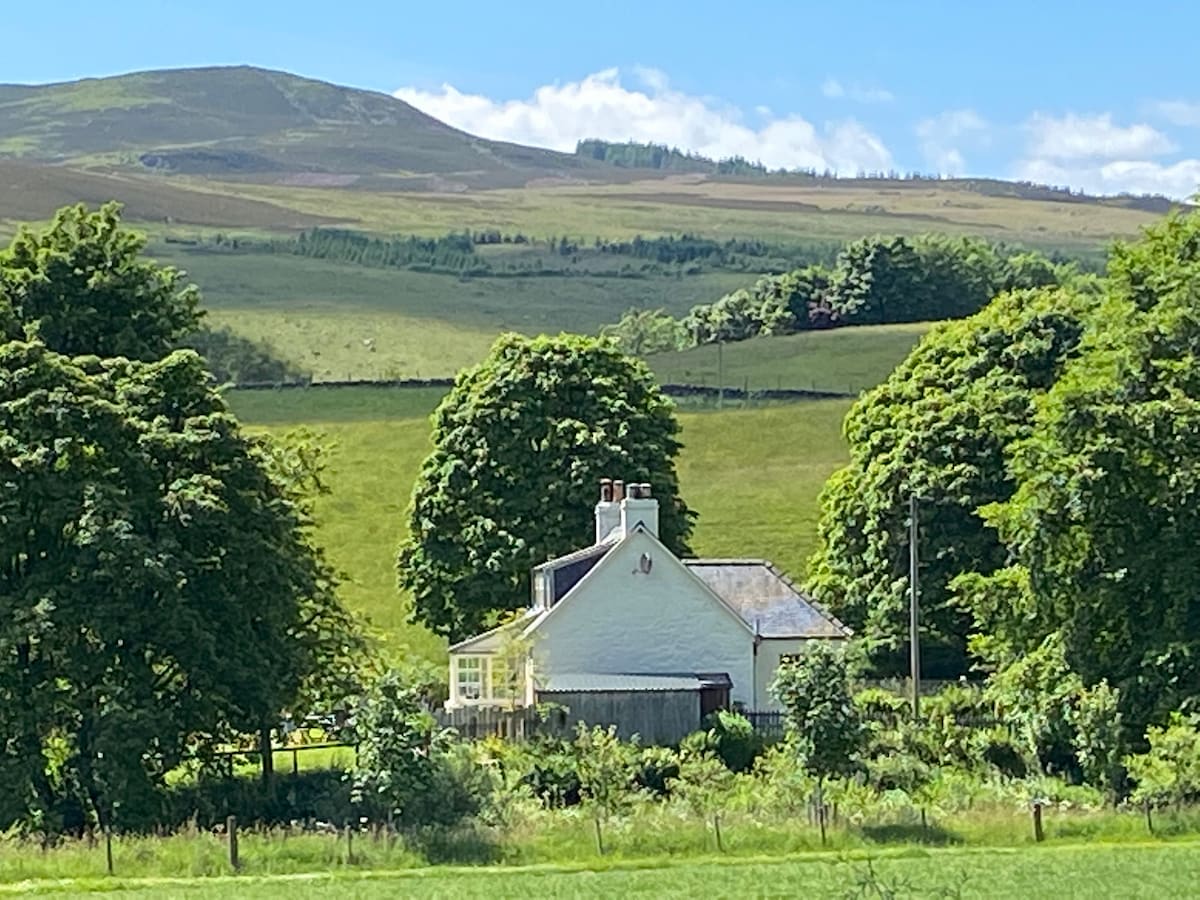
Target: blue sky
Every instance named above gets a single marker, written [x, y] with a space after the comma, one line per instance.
[1101, 95]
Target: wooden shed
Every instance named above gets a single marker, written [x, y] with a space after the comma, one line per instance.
[660, 709]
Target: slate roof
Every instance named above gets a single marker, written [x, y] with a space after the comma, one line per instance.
[570, 568]
[590, 682]
[766, 598]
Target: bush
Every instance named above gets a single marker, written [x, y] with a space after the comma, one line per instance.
[656, 766]
[1169, 772]
[734, 740]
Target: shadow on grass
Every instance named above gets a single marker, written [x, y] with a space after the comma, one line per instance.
[464, 846]
[910, 833]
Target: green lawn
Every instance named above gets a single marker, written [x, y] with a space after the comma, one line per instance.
[753, 475]
[1151, 870]
[845, 360]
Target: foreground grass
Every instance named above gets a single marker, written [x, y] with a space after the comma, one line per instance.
[1147, 870]
[752, 474]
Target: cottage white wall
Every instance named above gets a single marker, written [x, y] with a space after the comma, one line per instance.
[766, 662]
[620, 619]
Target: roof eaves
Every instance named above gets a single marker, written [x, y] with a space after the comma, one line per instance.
[576, 555]
[466, 644]
[811, 601]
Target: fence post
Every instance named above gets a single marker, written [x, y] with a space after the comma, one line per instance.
[231, 829]
[108, 850]
[1038, 834]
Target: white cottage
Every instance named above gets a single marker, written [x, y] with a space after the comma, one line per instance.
[625, 616]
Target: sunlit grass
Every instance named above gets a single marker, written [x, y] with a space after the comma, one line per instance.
[752, 474]
[843, 360]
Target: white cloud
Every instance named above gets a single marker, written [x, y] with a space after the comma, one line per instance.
[1097, 155]
[1180, 180]
[601, 106]
[835, 90]
[1177, 112]
[1073, 137]
[944, 136]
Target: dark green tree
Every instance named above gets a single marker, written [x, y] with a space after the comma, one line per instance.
[938, 428]
[81, 286]
[519, 444]
[1104, 526]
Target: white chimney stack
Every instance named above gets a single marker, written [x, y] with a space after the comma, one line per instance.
[639, 507]
[608, 512]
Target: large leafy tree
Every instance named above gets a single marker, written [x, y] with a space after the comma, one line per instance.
[81, 286]
[937, 428]
[1105, 525]
[519, 444]
[159, 588]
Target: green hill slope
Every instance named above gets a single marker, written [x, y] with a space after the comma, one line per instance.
[753, 475]
[843, 360]
[249, 122]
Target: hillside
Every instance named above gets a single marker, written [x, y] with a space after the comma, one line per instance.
[753, 476]
[257, 154]
[248, 122]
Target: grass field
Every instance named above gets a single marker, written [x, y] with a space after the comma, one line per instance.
[752, 474]
[318, 314]
[1158, 870]
[843, 360]
[770, 210]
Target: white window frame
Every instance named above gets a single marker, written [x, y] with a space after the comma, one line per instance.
[467, 665]
[486, 687]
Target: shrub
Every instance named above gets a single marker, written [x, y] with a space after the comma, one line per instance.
[734, 740]
[1169, 772]
[656, 766]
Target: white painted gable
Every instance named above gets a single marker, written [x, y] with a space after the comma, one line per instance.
[641, 611]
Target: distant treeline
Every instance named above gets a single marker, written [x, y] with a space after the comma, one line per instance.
[457, 253]
[632, 155]
[875, 280]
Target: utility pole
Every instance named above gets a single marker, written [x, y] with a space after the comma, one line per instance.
[720, 373]
[914, 610]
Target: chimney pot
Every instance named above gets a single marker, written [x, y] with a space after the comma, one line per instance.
[606, 490]
[618, 488]
[646, 494]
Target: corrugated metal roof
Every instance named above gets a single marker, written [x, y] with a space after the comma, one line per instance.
[766, 598]
[590, 682]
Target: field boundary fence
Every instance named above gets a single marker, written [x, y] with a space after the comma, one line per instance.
[682, 390]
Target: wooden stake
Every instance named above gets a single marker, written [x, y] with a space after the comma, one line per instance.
[599, 837]
[717, 830]
[108, 850]
[1038, 834]
[231, 830]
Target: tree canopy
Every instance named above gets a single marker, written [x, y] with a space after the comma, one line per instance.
[81, 287]
[1104, 525]
[937, 428]
[519, 444]
[1054, 442]
[159, 588]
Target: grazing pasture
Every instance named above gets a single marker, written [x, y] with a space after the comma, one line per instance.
[752, 474]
